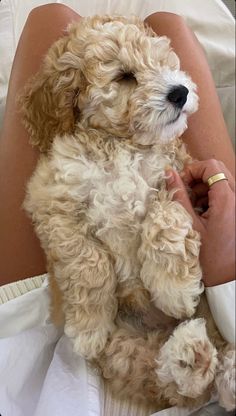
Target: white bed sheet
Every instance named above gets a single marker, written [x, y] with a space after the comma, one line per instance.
[210, 20]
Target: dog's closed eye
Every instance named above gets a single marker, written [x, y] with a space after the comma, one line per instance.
[127, 76]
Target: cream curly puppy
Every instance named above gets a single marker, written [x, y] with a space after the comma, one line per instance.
[106, 110]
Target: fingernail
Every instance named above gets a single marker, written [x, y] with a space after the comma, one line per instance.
[170, 178]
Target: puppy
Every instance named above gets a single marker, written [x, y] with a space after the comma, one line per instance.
[107, 109]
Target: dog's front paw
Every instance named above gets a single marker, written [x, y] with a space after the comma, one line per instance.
[169, 254]
[175, 296]
[179, 302]
[187, 361]
[225, 380]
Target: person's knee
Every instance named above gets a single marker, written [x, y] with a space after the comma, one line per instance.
[52, 10]
[49, 8]
[168, 18]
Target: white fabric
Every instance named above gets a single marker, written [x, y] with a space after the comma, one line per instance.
[211, 21]
[221, 300]
[25, 312]
[40, 374]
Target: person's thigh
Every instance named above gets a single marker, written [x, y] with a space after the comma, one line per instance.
[20, 252]
[207, 135]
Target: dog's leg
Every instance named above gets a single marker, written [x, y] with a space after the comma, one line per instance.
[80, 264]
[128, 364]
[225, 378]
[163, 368]
[170, 256]
[84, 273]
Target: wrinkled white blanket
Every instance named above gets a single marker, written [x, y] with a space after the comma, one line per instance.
[40, 374]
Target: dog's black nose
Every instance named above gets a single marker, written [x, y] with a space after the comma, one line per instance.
[178, 96]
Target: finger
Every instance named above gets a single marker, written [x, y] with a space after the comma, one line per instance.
[175, 183]
[204, 170]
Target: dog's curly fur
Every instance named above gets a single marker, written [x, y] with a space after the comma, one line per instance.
[122, 256]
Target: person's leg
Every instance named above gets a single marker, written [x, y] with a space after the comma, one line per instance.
[207, 135]
[20, 252]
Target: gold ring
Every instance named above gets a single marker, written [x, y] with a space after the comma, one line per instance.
[216, 178]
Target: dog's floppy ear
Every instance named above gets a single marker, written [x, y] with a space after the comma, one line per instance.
[49, 100]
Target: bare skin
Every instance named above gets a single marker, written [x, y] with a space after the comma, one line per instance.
[207, 137]
[216, 223]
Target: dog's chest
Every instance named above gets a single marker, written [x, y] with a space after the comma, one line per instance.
[116, 191]
[112, 193]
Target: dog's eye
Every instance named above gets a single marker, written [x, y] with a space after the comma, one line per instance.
[127, 76]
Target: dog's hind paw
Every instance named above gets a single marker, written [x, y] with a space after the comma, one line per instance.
[188, 360]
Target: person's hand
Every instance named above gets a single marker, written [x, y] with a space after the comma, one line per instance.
[215, 222]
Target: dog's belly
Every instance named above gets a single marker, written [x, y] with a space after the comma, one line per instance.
[115, 190]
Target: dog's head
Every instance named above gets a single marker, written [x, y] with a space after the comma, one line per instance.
[113, 74]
